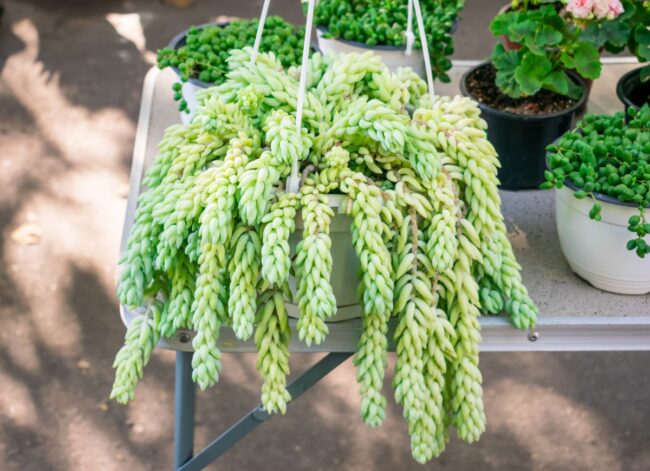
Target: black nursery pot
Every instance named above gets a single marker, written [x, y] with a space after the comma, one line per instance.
[631, 91]
[521, 140]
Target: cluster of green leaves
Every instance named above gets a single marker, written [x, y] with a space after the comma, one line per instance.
[549, 46]
[204, 53]
[629, 29]
[383, 22]
[606, 156]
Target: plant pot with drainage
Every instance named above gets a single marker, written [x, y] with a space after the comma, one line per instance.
[633, 88]
[199, 55]
[344, 26]
[601, 174]
[521, 128]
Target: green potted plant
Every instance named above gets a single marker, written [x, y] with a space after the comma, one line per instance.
[602, 175]
[531, 92]
[629, 30]
[212, 244]
[199, 55]
[380, 26]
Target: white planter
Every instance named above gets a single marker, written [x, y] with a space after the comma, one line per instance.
[392, 56]
[192, 86]
[596, 250]
[345, 265]
[189, 95]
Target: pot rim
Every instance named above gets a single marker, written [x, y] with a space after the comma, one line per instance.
[603, 197]
[524, 118]
[175, 44]
[381, 47]
[628, 76]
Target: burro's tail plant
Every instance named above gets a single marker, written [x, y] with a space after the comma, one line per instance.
[210, 247]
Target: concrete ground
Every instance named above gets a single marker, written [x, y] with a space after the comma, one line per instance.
[70, 80]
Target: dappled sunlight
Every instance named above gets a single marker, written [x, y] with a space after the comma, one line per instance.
[129, 26]
[567, 431]
[22, 413]
[150, 416]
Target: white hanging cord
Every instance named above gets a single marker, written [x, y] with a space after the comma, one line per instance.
[410, 37]
[425, 47]
[260, 28]
[293, 182]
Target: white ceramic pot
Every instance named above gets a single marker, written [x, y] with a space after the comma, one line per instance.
[345, 264]
[596, 250]
[189, 94]
[192, 86]
[392, 56]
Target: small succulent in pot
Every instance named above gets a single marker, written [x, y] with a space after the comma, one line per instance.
[606, 156]
[202, 52]
[384, 23]
[551, 39]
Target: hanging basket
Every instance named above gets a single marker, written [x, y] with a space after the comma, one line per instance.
[345, 264]
[393, 56]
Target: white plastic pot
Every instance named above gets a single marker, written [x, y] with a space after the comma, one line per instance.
[596, 250]
[392, 56]
[189, 95]
[345, 264]
[192, 86]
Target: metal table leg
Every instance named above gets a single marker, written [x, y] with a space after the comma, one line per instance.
[185, 398]
[256, 416]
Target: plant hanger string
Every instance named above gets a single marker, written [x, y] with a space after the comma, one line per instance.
[260, 28]
[410, 37]
[425, 47]
[293, 182]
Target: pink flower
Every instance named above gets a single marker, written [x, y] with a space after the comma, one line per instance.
[580, 8]
[615, 9]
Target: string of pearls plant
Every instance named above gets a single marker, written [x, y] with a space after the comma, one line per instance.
[210, 246]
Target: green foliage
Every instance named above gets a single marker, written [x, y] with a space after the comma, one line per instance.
[204, 56]
[549, 46]
[380, 22]
[629, 29]
[606, 156]
[211, 248]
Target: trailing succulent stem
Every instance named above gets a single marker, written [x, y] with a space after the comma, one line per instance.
[220, 240]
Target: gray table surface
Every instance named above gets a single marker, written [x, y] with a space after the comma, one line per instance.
[573, 314]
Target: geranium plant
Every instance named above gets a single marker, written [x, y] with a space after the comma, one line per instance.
[604, 155]
[629, 29]
[550, 41]
[383, 22]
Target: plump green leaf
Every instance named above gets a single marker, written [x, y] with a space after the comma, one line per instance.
[531, 73]
[587, 60]
[557, 81]
[505, 63]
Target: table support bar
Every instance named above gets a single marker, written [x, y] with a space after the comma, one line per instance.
[185, 399]
[257, 416]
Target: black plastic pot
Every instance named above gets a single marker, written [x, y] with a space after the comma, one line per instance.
[521, 140]
[631, 91]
